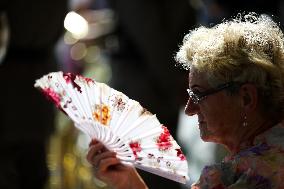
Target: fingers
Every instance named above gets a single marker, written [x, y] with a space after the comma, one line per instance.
[94, 150]
[99, 159]
[93, 142]
[105, 170]
[106, 163]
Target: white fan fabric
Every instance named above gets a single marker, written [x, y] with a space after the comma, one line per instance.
[119, 122]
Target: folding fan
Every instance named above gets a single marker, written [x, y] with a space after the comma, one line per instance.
[119, 122]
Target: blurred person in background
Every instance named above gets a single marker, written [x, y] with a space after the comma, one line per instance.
[140, 53]
[236, 88]
[141, 59]
[213, 11]
[26, 118]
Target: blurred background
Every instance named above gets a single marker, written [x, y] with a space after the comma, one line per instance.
[130, 45]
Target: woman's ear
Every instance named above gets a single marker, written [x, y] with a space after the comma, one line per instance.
[249, 95]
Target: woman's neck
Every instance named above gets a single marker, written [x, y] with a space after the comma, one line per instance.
[246, 135]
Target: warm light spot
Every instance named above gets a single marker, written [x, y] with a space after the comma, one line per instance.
[84, 173]
[93, 54]
[69, 162]
[76, 25]
[69, 39]
[78, 51]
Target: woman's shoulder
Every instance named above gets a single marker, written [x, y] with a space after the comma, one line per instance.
[259, 165]
[265, 170]
[262, 164]
[266, 155]
[272, 137]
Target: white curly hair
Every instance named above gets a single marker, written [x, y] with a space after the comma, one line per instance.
[248, 48]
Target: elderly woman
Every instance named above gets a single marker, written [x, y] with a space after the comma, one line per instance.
[236, 88]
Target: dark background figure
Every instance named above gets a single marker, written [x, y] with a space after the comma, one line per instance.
[214, 11]
[26, 118]
[141, 51]
[270, 7]
[146, 37]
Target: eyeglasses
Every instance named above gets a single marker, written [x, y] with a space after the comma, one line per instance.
[197, 97]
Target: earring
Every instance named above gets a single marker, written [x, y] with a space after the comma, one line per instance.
[245, 123]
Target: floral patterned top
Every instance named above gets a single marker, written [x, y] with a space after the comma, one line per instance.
[259, 167]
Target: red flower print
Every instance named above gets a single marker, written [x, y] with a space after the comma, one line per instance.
[88, 80]
[164, 140]
[70, 78]
[53, 96]
[135, 147]
[150, 156]
[118, 103]
[180, 154]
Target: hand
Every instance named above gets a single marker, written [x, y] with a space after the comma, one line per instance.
[109, 169]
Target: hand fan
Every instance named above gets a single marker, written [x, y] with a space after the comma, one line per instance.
[119, 122]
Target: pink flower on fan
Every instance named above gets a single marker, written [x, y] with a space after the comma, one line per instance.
[52, 95]
[151, 156]
[118, 103]
[164, 140]
[180, 154]
[70, 78]
[88, 80]
[159, 159]
[135, 147]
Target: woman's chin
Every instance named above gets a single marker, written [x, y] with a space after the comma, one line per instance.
[206, 137]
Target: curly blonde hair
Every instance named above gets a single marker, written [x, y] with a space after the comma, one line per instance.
[248, 48]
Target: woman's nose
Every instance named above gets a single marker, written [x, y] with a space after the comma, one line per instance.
[191, 108]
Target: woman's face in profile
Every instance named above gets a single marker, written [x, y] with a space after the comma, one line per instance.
[219, 114]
